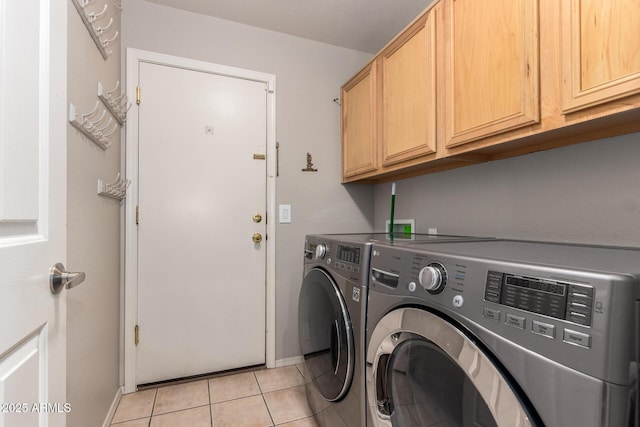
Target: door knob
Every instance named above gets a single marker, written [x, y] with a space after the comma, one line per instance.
[257, 217]
[60, 278]
[257, 238]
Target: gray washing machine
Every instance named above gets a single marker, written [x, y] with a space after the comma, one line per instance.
[332, 313]
[332, 321]
[503, 333]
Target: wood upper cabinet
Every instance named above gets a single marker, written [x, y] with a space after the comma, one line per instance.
[359, 134]
[471, 81]
[408, 73]
[491, 77]
[600, 50]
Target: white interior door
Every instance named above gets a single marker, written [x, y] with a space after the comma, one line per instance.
[32, 211]
[201, 277]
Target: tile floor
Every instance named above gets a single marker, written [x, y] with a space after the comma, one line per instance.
[262, 398]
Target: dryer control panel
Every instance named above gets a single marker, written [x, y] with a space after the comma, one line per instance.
[561, 300]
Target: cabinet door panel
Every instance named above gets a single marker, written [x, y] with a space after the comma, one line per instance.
[358, 124]
[601, 51]
[409, 94]
[492, 68]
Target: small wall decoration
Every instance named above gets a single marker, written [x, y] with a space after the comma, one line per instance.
[309, 167]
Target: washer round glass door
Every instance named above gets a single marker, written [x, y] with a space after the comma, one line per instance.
[326, 336]
[423, 371]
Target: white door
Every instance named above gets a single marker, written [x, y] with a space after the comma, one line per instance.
[202, 178]
[32, 211]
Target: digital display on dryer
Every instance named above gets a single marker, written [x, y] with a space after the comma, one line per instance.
[538, 285]
[563, 300]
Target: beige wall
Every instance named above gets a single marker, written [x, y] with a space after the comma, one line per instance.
[309, 75]
[93, 240]
[586, 193]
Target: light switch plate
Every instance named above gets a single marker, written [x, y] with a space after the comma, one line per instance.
[285, 214]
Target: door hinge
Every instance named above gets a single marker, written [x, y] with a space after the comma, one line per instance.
[136, 334]
[137, 215]
[137, 95]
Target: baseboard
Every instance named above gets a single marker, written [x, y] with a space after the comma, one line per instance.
[289, 361]
[112, 409]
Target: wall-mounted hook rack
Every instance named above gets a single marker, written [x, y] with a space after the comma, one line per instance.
[92, 20]
[117, 189]
[95, 126]
[116, 103]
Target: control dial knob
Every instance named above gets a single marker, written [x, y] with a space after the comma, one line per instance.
[433, 278]
[321, 251]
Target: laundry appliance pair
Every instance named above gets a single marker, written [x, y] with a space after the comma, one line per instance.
[332, 320]
[468, 332]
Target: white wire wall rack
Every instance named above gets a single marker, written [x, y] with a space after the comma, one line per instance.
[94, 19]
[98, 127]
[117, 189]
[117, 104]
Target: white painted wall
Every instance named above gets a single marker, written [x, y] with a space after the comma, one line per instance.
[309, 75]
[585, 193]
[93, 236]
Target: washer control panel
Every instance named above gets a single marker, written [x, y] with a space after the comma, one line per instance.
[348, 259]
[347, 253]
[553, 298]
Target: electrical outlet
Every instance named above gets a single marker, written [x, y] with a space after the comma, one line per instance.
[402, 227]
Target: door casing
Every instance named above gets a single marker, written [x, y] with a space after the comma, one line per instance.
[130, 153]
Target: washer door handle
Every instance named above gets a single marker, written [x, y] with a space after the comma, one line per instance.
[385, 406]
[336, 347]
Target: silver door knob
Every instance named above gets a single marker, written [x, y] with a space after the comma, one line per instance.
[60, 278]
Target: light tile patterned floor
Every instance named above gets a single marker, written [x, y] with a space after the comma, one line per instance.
[263, 398]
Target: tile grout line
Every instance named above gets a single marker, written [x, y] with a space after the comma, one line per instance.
[209, 400]
[178, 410]
[153, 405]
[263, 399]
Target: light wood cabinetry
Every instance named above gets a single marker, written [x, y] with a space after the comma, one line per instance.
[601, 51]
[491, 76]
[389, 108]
[510, 77]
[408, 113]
[359, 134]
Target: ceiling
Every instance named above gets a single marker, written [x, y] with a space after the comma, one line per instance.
[364, 25]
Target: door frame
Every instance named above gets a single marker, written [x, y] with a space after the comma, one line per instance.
[129, 288]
